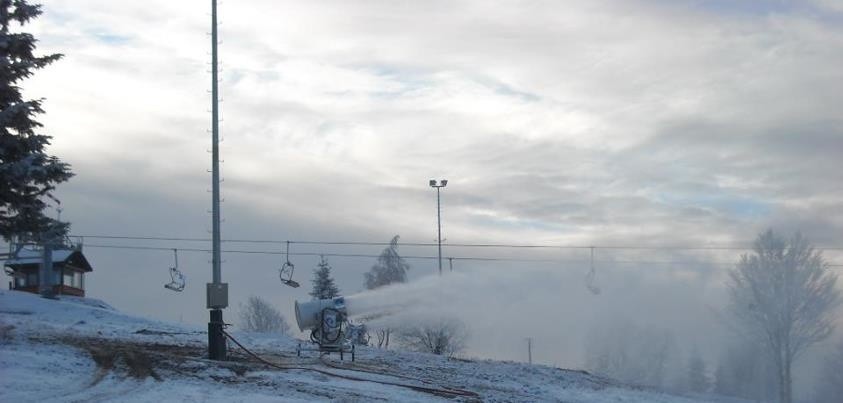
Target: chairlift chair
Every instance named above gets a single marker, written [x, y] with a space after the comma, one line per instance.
[177, 279]
[285, 273]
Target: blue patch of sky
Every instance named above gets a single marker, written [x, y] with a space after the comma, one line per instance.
[728, 204]
[410, 79]
[519, 223]
[761, 8]
[415, 79]
[507, 90]
[108, 38]
[748, 7]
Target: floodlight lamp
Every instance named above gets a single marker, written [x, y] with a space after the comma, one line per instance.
[433, 183]
[444, 182]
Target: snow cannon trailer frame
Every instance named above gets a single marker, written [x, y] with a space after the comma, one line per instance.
[327, 320]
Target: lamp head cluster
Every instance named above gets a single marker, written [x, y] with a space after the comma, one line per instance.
[438, 184]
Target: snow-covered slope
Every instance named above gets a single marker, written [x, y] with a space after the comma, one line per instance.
[77, 349]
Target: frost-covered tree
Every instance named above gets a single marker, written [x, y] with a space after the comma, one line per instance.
[259, 316]
[441, 336]
[390, 267]
[782, 295]
[323, 283]
[28, 175]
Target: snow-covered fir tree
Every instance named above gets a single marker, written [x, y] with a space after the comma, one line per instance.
[323, 283]
[390, 267]
[697, 380]
[28, 174]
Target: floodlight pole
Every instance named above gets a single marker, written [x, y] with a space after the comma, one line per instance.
[216, 291]
[440, 184]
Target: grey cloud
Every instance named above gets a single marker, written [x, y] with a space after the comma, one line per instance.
[607, 123]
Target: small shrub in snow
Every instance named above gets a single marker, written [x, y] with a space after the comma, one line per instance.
[259, 316]
[442, 336]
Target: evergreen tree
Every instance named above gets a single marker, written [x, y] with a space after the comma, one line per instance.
[698, 381]
[28, 174]
[323, 283]
[390, 268]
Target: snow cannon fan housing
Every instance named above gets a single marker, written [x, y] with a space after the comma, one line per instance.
[308, 314]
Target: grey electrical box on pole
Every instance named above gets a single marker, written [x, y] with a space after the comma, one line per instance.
[217, 296]
[217, 291]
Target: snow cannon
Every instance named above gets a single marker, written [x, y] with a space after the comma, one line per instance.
[308, 313]
[330, 330]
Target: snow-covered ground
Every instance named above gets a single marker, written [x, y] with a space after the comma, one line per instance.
[77, 349]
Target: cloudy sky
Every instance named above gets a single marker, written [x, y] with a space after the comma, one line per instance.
[665, 123]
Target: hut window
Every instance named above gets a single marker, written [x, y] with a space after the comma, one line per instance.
[68, 279]
[77, 280]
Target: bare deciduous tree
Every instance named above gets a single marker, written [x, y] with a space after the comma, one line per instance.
[782, 295]
[259, 316]
[442, 336]
[383, 338]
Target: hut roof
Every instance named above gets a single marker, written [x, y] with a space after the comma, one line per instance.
[67, 257]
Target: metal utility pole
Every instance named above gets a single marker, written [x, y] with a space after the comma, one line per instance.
[217, 291]
[530, 350]
[451, 263]
[438, 185]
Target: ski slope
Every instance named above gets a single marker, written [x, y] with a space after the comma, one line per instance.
[77, 349]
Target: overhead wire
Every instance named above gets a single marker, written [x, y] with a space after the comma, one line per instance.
[423, 257]
[431, 244]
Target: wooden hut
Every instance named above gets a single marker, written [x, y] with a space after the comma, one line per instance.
[69, 268]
